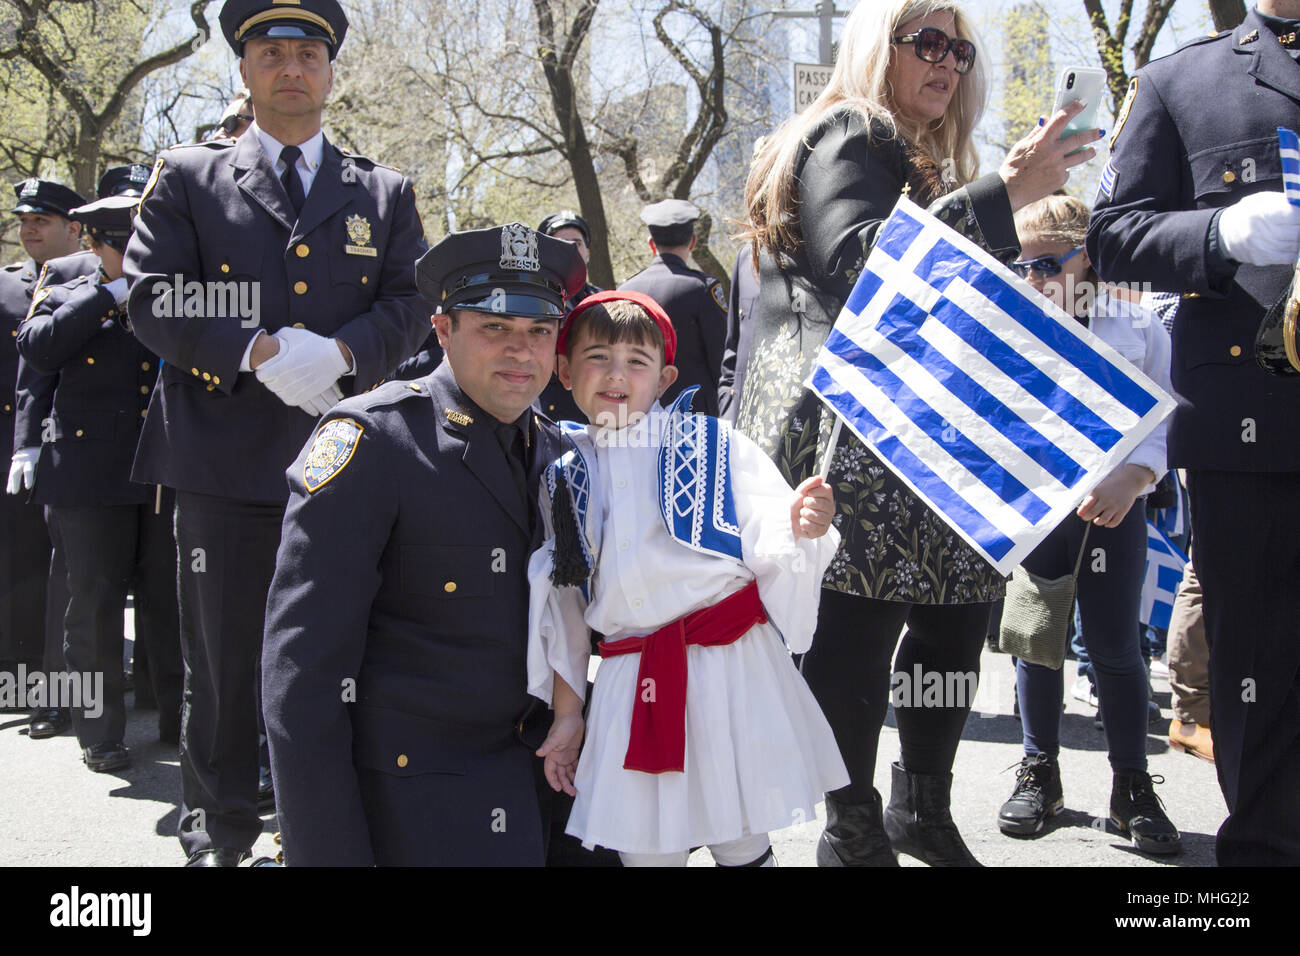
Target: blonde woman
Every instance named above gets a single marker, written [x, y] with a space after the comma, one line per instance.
[897, 117]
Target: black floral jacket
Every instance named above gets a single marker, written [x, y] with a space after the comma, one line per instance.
[894, 547]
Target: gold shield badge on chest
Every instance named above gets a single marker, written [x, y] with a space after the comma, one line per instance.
[359, 235]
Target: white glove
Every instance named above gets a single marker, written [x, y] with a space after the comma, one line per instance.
[304, 368]
[322, 403]
[22, 470]
[118, 289]
[1262, 229]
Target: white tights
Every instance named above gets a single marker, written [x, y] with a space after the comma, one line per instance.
[735, 853]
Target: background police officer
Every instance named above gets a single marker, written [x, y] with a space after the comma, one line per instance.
[48, 235]
[106, 524]
[693, 300]
[317, 248]
[556, 401]
[397, 625]
[1191, 202]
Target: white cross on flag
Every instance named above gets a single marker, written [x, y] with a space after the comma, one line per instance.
[1165, 565]
[996, 408]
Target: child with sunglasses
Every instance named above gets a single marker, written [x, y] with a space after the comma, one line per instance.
[680, 542]
[1052, 233]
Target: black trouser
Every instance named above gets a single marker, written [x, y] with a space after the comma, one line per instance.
[157, 618]
[1247, 556]
[848, 669]
[56, 600]
[24, 564]
[226, 552]
[99, 548]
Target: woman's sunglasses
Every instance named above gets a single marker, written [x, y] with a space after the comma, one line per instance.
[932, 45]
[231, 123]
[1045, 266]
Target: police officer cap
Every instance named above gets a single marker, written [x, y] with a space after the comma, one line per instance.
[294, 19]
[109, 220]
[566, 217]
[124, 181]
[47, 196]
[669, 213]
[511, 270]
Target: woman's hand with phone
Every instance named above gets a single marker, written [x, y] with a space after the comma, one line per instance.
[1040, 163]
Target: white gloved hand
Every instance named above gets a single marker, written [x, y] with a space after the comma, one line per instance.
[322, 403]
[1262, 229]
[22, 470]
[118, 289]
[304, 368]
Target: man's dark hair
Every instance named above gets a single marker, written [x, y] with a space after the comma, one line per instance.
[672, 236]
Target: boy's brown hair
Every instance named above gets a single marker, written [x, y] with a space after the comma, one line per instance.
[613, 322]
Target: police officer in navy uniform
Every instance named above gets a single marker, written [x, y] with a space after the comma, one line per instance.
[397, 624]
[272, 274]
[693, 300]
[51, 239]
[77, 333]
[1191, 202]
[556, 401]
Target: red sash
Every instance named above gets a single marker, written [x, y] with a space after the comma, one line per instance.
[658, 740]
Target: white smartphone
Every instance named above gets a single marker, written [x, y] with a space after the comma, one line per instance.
[1080, 83]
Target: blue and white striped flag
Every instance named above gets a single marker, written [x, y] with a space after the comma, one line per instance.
[1165, 565]
[1288, 147]
[996, 408]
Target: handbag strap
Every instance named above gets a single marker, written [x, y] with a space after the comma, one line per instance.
[1083, 546]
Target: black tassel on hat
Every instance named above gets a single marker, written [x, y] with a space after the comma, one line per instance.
[568, 564]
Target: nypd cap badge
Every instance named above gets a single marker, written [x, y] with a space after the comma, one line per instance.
[332, 449]
[519, 248]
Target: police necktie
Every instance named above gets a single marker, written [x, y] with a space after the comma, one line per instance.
[292, 181]
[511, 440]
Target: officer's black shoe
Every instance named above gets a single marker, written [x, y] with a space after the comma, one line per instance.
[106, 756]
[1037, 796]
[854, 835]
[1137, 811]
[49, 722]
[918, 820]
[265, 791]
[217, 857]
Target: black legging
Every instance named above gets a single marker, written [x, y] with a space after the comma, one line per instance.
[848, 669]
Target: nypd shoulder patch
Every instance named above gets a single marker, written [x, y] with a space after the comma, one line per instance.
[719, 298]
[335, 443]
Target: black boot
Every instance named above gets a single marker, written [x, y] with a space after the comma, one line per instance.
[1137, 811]
[1037, 796]
[854, 835]
[918, 822]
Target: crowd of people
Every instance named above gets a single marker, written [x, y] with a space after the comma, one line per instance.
[370, 571]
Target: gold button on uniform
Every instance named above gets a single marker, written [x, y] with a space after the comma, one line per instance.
[302, 250]
[194, 371]
[365, 279]
[1229, 176]
[14, 333]
[8, 408]
[1235, 351]
[144, 389]
[449, 587]
[300, 325]
[225, 267]
[300, 287]
[207, 377]
[401, 760]
[210, 388]
[80, 433]
[90, 360]
[144, 413]
[216, 380]
[144, 366]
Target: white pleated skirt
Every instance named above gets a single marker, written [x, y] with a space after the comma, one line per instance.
[759, 753]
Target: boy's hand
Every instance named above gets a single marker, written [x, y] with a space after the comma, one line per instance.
[1111, 500]
[812, 509]
[561, 749]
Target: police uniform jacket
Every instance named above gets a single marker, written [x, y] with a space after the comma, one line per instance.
[103, 380]
[18, 283]
[696, 304]
[1197, 133]
[216, 213]
[402, 570]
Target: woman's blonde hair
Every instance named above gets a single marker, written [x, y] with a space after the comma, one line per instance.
[860, 82]
[1055, 218]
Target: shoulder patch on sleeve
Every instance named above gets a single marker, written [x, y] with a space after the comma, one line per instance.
[719, 298]
[332, 449]
[40, 296]
[1124, 110]
[148, 187]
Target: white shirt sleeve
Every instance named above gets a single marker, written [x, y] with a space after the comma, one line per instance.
[559, 639]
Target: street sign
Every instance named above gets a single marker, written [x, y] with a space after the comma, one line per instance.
[809, 81]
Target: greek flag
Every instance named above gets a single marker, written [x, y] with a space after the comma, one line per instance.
[1165, 564]
[996, 408]
[1288, 147]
